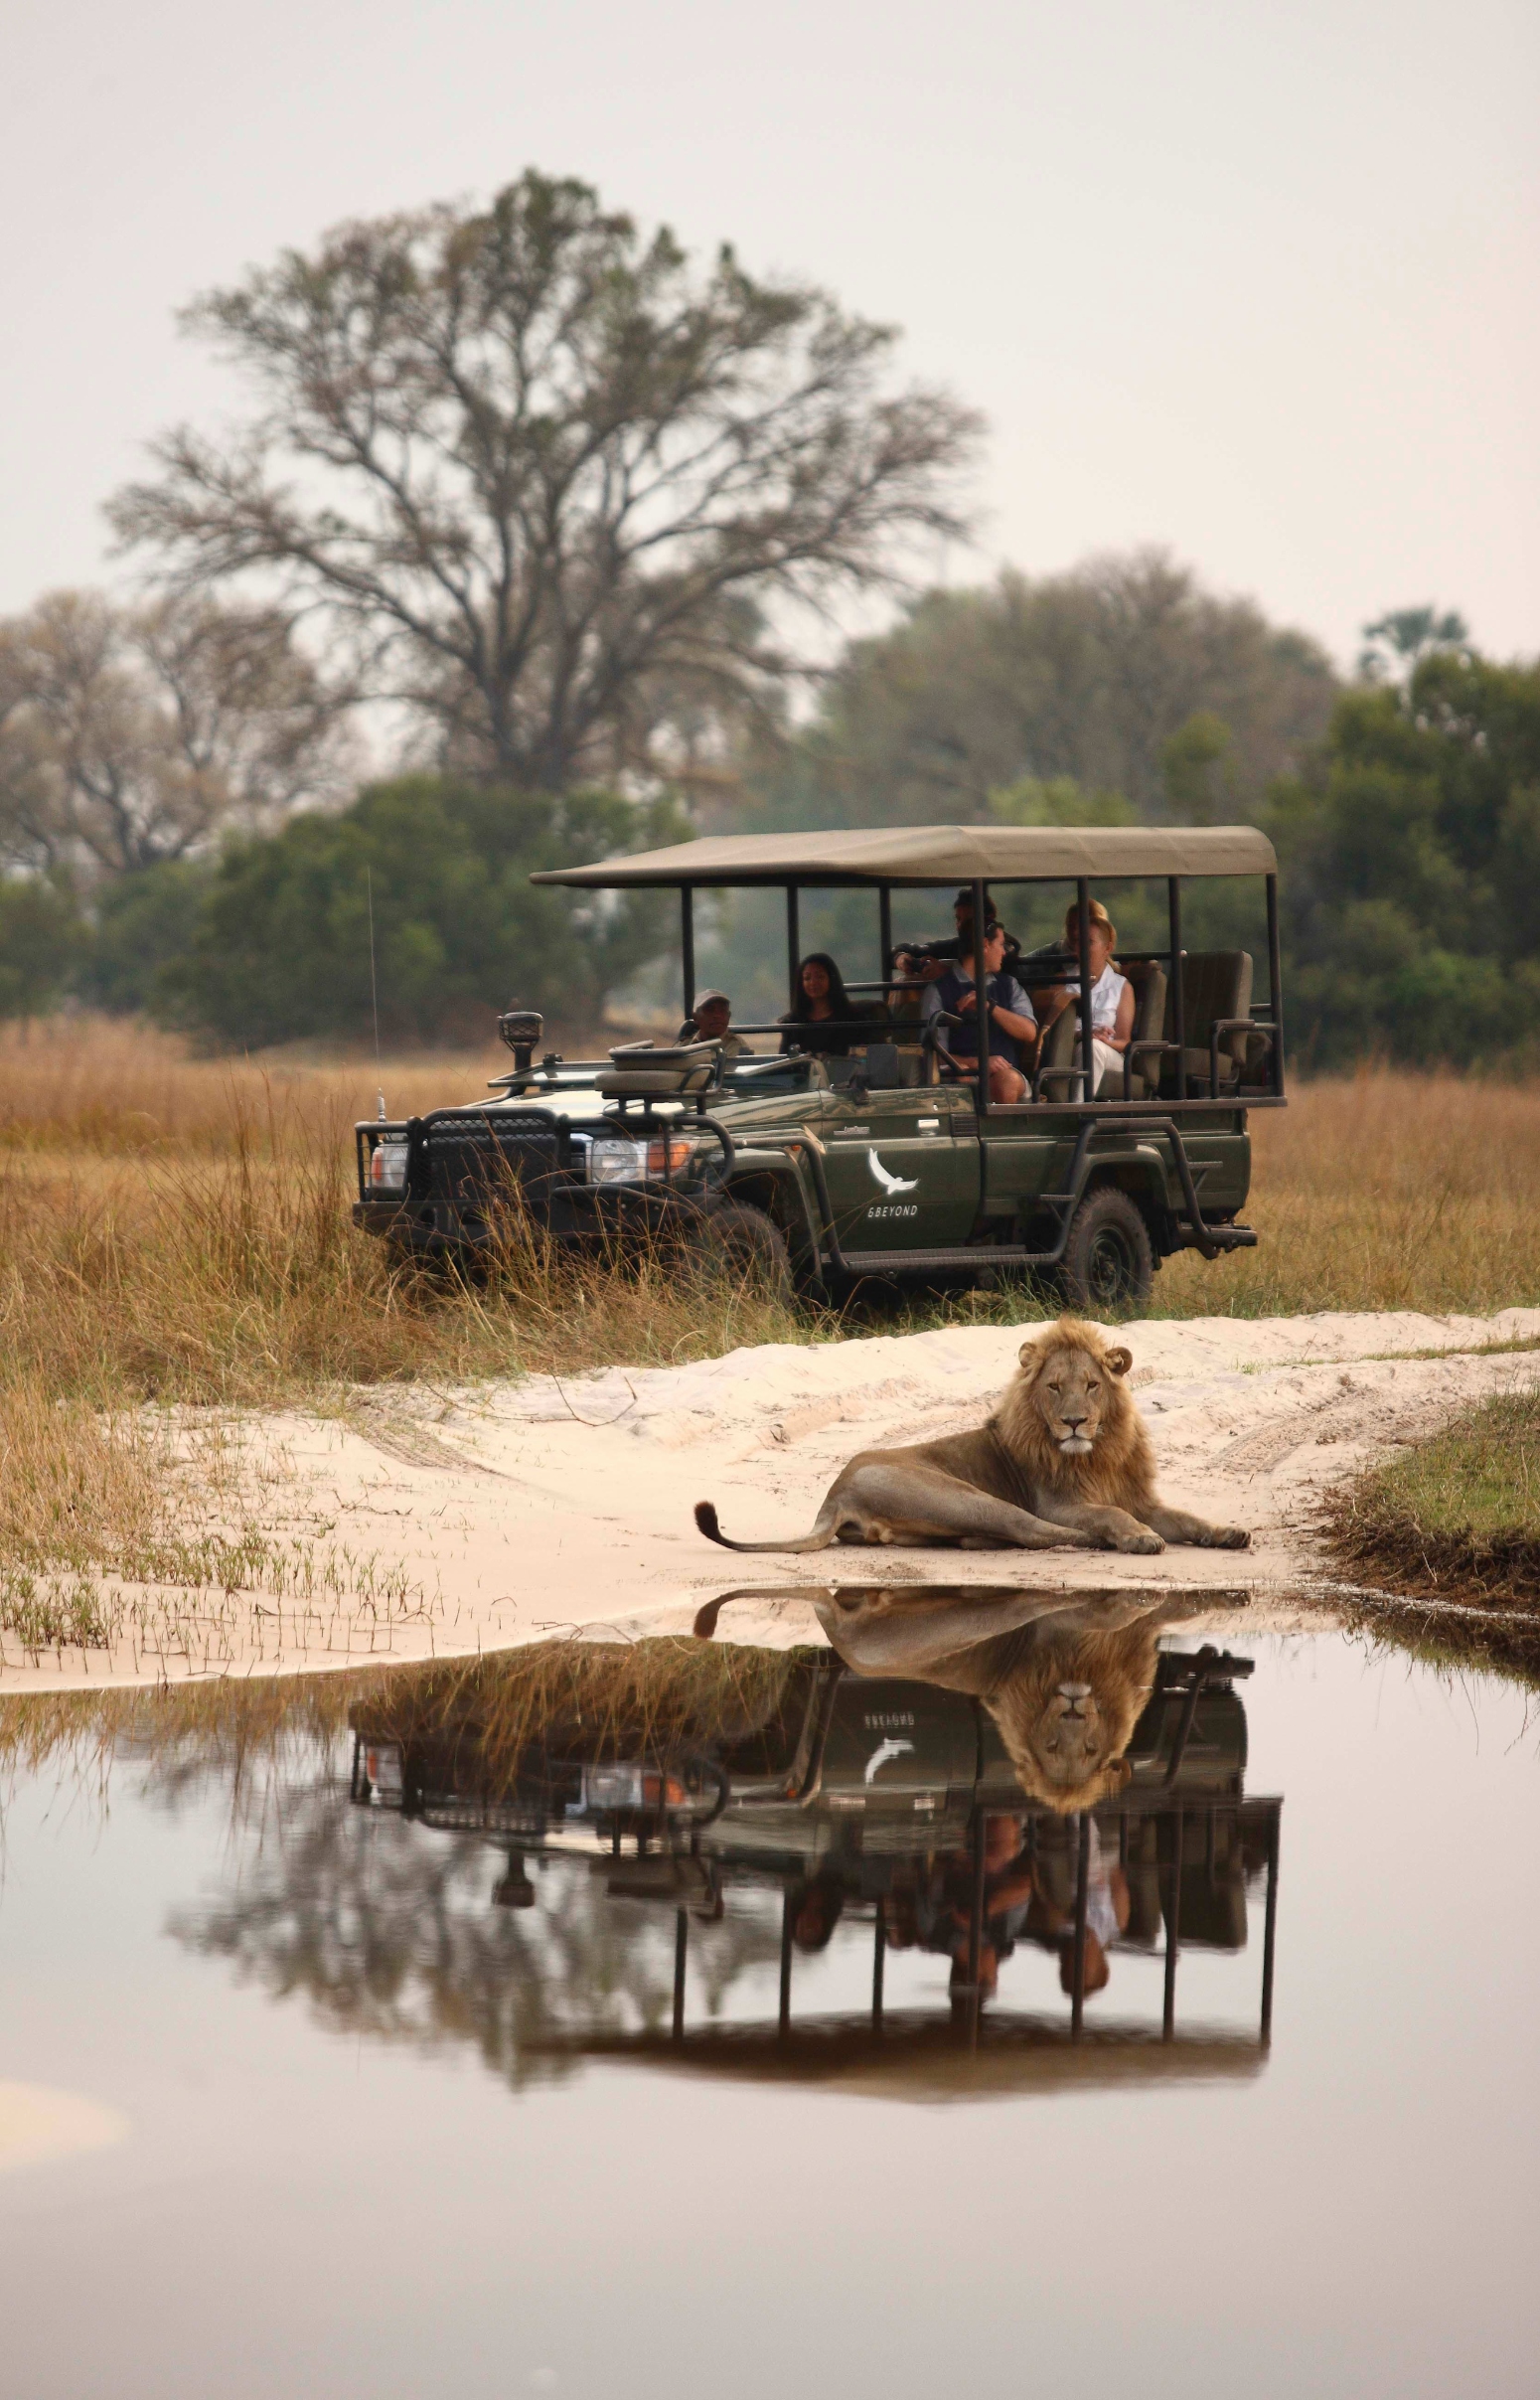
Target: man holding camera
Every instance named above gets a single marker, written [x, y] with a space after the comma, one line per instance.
[926, 962]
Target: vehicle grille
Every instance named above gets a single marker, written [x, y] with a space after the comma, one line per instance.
[478, 1161]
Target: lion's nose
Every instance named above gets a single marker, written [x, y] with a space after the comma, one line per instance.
[1074, 1691]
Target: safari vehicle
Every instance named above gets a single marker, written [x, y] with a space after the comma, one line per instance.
[891, 1163]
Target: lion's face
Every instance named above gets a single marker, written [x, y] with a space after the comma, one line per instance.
[1071, 1392]
[1069, 1740]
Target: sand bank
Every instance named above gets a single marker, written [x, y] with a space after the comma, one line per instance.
[519, 1509]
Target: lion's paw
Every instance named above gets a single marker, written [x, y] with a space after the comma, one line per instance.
[1142, 1544]
[1229, 1537]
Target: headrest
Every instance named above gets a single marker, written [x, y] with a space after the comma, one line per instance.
[644, 1069]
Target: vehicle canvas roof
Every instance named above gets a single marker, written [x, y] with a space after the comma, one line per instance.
[938, 853]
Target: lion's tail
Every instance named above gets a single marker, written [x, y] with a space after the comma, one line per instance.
[822, 1536]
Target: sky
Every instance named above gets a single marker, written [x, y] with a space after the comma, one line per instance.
[1259, 284]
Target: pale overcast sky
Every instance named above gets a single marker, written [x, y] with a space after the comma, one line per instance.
[1258, 283]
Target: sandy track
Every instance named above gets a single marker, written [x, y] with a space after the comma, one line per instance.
[560, 1502]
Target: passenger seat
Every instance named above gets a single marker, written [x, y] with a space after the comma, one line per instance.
[1215, 984]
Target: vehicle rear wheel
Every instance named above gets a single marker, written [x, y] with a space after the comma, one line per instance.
[1108, 1262]
[739, 1241]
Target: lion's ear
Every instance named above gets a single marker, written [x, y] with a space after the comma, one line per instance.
[1118, 1772]
[1117, 1362]
[1032, 1352]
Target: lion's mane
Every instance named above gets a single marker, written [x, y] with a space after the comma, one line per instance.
[1120, 1668]
[1120, 1472]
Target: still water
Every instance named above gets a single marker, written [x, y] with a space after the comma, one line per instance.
[853, 2019]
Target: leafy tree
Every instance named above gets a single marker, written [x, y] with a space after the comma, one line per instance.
[1396, 642]
[546, 479]
[1411, 868]
[1115, 676]
[280, 948]
[1060, 802]
[141, 925]
[41, 937]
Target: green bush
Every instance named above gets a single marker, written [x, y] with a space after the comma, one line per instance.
[42, 937]
[1409, 869]
[280, 947]
[143, 922]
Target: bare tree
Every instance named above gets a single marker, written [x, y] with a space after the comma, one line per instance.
[534, 468]
[128, 736]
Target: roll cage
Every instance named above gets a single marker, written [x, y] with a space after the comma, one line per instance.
[932, 857]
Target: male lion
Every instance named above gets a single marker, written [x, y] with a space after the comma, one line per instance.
[1064, 1462]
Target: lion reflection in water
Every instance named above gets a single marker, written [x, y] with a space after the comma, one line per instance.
[1065, 1678]
[1064, 1462]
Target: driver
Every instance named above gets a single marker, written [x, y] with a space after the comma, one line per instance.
[710, 1023]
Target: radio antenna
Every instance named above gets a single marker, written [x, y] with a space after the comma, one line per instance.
[374, 988]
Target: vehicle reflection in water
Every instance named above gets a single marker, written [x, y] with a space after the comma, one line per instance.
[971, 1774]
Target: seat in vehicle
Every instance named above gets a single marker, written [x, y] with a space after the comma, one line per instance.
[1150, 988]
[1058, 1077]
[1216, 986]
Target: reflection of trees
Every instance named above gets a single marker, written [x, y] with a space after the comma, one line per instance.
[389, 1929]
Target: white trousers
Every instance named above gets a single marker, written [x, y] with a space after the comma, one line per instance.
[1107, 1064]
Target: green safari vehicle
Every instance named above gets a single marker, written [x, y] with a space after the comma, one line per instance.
[893, 1161]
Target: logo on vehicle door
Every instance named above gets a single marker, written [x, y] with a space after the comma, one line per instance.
[890, 1183]
[883, 1752]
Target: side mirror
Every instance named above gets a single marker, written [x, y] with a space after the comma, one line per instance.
[522, 1029]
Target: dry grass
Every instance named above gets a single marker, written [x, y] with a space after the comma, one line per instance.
[653, 1699]
[1383, 1190]
[173, 1228]
[177, 1231]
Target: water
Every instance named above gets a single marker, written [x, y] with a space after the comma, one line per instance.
[375, 2107]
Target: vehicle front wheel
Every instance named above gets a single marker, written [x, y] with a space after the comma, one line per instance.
[739, 1240]
[1108, 1262]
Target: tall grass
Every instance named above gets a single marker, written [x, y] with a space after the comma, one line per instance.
[1383, 1189]
[181, 1230]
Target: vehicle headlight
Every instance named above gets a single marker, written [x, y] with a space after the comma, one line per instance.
[387, 1166]
[613, 1161]
[616, 1162]
[609, 1789]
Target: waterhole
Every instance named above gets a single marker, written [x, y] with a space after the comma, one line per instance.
[984, 1986]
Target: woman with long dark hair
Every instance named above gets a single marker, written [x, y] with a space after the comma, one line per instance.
[822, 1007]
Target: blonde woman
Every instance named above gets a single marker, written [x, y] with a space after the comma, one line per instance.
[1112, 999]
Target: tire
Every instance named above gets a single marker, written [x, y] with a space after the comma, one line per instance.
[739, 1240]
[1108, 1262]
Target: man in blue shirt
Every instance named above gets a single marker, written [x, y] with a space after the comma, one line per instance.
[1012, 1028]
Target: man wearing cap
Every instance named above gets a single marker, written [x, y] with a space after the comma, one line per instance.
[960, 946]
[713, 1013]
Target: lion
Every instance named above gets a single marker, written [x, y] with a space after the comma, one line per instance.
[1064, 1463]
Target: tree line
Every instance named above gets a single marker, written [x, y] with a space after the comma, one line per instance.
[559, 518]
